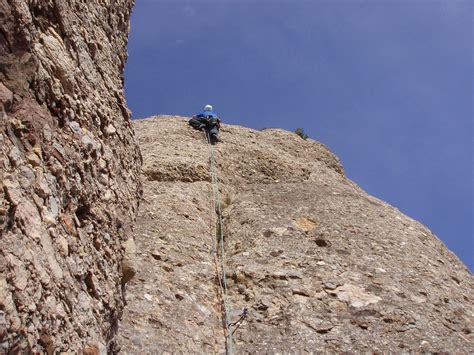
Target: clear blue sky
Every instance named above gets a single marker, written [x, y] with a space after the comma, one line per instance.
[386, 84]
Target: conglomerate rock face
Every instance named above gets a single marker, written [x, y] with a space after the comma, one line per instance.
[69, 174]
[318, 264]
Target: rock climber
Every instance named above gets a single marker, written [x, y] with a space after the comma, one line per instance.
[207, 120]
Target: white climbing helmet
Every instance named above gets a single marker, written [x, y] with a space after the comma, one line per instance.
[208, 108]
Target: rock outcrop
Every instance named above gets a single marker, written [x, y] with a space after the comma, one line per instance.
[319, 264]
[69, 174]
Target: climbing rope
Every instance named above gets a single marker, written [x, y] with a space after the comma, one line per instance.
[222, 273]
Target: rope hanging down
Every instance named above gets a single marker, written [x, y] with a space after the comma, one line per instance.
[221, 274]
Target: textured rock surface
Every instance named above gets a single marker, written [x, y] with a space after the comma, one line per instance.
[69, 173]
[319, 264]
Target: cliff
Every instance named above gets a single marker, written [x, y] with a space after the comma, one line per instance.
[311, 262]
[69, 174]
[318, 263]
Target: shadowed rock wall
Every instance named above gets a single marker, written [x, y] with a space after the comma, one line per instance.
[69, 168]
[319, 264]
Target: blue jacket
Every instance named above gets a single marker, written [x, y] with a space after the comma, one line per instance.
[207, 114]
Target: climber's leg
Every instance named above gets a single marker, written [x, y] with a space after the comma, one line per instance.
[198, 123]
[213, 131]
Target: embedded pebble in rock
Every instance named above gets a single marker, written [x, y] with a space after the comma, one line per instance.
[355, 296]
[315, 263]
[61, 66]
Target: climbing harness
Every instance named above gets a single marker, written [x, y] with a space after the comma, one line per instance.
[221, 272]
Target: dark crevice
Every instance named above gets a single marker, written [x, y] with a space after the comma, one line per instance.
[321, 242]
[11, 217]
[83, 212]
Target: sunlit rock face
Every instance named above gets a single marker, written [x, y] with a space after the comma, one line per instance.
[318, 263]
[69, 174]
